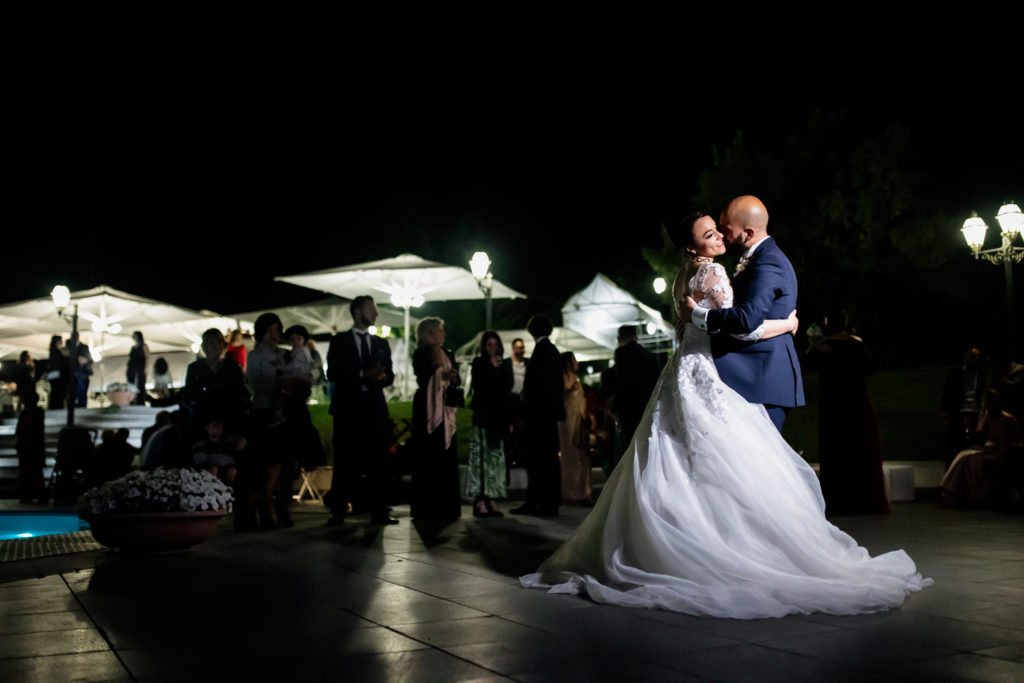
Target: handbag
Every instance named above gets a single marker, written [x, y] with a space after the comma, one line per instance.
[455, 397]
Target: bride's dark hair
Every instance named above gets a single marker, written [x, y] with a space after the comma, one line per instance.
[679, 227]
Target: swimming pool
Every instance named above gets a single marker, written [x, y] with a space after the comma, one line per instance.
[31, 524]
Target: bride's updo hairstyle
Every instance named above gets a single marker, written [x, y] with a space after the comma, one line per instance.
[679, 228]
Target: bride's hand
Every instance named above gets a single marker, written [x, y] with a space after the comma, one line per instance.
[794, 321]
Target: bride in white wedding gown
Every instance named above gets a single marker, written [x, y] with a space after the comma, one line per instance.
[710, 512]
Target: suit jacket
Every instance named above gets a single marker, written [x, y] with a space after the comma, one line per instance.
[636, 373]
[543, 386]
[344, 368]
[765, 371]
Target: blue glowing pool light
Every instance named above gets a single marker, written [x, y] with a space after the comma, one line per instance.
[32, 524]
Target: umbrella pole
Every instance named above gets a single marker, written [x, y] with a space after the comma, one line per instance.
[407, 370]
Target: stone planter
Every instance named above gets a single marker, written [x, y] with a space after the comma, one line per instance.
[121, 398]
[154, 532]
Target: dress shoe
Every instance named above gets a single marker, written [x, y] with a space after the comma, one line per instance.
[528, 509]
[335, 520]
[383, 521]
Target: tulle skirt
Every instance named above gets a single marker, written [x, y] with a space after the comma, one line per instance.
[711, 512]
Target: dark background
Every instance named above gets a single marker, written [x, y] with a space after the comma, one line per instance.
[197, 178]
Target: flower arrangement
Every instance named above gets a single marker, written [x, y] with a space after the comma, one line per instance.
[159, 490]
[122, 387]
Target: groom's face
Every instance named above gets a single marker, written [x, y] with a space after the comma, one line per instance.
[732, 231]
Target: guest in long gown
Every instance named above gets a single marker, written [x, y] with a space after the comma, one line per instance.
[974, 478]
[573, 434]
[435, 475]
[849, 445]
[486, 474]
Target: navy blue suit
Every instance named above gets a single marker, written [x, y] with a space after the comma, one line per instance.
[766, 371]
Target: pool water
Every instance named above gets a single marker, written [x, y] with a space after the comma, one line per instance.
[31, 524]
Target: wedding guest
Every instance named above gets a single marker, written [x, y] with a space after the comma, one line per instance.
[264, 369]
[138, 360]
[636, 373]
[961, 400]
[24, 378]
[58, 373]
[163, 418]
[219, 452]
[83, 371]
[973, 478]
[849, 444]
[114, 457]
[161, 382]
[573, 436]
[543, 393]
[31, 446]
[236, 348]
[485, 472]
[359, 366]
[319, 374]
[515, 371]
[435, 475]
[296, 388]
[167, 445]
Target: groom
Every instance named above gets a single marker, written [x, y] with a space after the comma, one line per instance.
[764, 288]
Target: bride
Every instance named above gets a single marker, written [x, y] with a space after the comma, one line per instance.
[709, 511]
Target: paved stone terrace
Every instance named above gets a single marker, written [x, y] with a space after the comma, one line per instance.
[412, 603]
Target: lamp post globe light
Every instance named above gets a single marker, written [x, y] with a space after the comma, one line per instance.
[61, 296]
[659, 285]
[480, 265]
[1011, 224]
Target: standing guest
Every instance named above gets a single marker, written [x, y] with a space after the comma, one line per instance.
[359, 365]
[573, 436]
[296, 387]
[515, 370]
[435, 476]
[319, 376]
[636, 373]
[961, 401]
[849, 444]
[31, 446]
[83, 371]
[138, 359]
[58, 374]
[24, 379]
[543, 391]
[236, 348]
[161, 382]
[486, 474]
[265, 366]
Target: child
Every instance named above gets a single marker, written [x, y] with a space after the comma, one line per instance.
[217, 453]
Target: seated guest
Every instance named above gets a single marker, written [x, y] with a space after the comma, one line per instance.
[973, 478]
[113, 457]
[218, 453]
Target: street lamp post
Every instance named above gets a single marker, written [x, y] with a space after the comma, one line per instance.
[1011, 223]
[61, 298]
[480, 264]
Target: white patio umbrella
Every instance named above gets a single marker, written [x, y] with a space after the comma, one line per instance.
[328, 316]
[405, 281]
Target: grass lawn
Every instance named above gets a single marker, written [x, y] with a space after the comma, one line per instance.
[907, 403]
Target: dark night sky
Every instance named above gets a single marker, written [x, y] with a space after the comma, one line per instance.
[197, 181]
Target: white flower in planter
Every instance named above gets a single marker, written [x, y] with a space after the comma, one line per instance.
[161, 490]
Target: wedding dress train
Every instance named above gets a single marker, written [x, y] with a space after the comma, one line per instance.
[711, 512]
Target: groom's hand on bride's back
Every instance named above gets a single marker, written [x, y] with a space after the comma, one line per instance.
[795, 321]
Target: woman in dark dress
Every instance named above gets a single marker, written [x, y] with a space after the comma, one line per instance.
[849, 445]
[486, 474]
[435, 475]
[58, 372]
[138, 358]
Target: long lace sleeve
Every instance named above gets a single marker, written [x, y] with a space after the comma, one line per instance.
[712, 289]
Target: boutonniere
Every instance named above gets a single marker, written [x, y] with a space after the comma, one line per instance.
[741, 266]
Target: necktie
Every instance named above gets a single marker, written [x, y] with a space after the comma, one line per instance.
[365, 351]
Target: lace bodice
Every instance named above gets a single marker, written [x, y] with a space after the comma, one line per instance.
[710, 288]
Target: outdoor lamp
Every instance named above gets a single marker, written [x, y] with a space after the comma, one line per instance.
[61, 297]
[385, 331]
[974, 232]
[660, 285]
[480, 264]
[1010, 219]
[651, 328]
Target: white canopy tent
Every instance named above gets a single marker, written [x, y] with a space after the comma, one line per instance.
[599, 309]
[107, 317]
[406, 281]
[328, 316]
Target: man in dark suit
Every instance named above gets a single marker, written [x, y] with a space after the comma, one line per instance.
[359, 364]
[764, 288]
[514, 368]
[543, 391]
[636, 373]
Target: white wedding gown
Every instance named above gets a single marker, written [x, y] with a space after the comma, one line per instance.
[711, 512]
